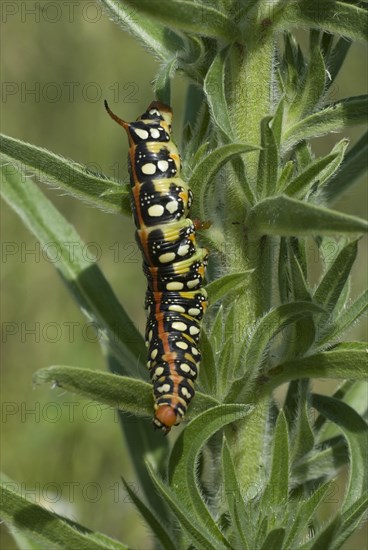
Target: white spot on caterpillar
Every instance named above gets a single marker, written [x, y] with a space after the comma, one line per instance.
[184, 367]
[193, 330]
[154, 353]
[185, 392]
[194, 311]
[154, 112]
[182, 345]
[163, 165]
[172, 206]
[168, 257]
[143, 134]
[195, 351]
[154, 133]
[174, 286]
[149, 168]
[177, 325]
[158, 371]
[150, 334]
[193, 283]
[177, 308]
[156, 211]
[183, 249]
[165, 388]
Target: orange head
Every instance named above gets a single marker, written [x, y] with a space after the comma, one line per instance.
[165, 417]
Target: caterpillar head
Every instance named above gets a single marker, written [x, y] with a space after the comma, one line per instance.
[158, 112]
[165, 418]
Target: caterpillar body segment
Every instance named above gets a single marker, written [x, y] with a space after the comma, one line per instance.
[173, 263]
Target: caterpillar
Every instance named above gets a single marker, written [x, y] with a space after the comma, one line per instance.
[173, 263]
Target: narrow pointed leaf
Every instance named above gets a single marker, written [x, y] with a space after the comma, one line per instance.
[351, 521]
[325, 537]
[334, 118]
[234, 497]
[313, 87]
[302, 433]
[95, 189]
[285, 176]
[290, 217]
[352, 168]
[274, 539]
[255, 347]
[196, 530]
[302, 183]
[355, 430]
[214, 88]
[207, 372]
[277, 489]
[188, 16]
[128, 394]
[49, 528]
[337, 364]
[345, 320]
[226, 284]
[183, 459]
[158, 530]
[162, 84]
[268, 161]
[82, 277]
[322, 464]
[336, 58]
[334, 280]
[304, 514]
[203, 174]
[333, 16]
[155, 37]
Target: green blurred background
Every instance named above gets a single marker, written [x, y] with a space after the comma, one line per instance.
[58, 64]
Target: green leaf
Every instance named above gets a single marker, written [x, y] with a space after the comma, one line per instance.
[332, 168]
[128, 394]
[268, 160]
[190, 17]
[235, 501]
[274, 539]
[82, 277]
[48, 528]
[290, 217]
[158, 530]
[325, 537]
[95, 189]
[355, 430]
[322, 464]
[202, 178]
[285, 176]
[214, 89]
[351, 520]
[334, 280]
[302, 183]
[302, 434]
[183, 460]
[334, 118]
[353, 166]
[336, 17]
[345, 320]
[226, 284]
[313, 85]
[207, 372]
[277, 489]
[336, 58]
[337, 363]
[255, 347]
[162, 84]
[196, 530]
[304, 513]
[156, 38]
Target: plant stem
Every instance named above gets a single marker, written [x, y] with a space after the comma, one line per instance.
[252, 77]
